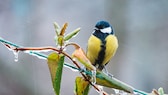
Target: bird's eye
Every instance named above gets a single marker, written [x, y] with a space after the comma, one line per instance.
[95, 29]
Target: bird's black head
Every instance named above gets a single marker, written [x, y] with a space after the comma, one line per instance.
[102, 24]
[104, 27]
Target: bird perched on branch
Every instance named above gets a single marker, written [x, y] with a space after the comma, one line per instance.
[102, 45]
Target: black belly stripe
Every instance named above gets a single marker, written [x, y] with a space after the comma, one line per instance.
[101, 56]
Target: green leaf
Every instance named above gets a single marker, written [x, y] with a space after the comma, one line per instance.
[72, 34]
[161, 91]
[104, 80]
[82, 86]
[55, 64]
[57, 28]
[60, 40]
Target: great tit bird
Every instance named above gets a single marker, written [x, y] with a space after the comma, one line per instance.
[102, 45]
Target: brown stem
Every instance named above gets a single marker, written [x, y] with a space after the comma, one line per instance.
[64, 53]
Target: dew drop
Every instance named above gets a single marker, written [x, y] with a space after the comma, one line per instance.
[64, 49]
[101, 93]
[94, 76]
[116, 91]
[16, 55]
[135, 93]
[58, 46]
[100, 90]
[123, 93]
[120, 92]
[74, 59]
[12, 48]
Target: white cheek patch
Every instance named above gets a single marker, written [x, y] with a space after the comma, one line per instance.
[106, 30]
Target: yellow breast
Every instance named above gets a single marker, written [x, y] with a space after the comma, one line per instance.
[94, 47]
[111, 47]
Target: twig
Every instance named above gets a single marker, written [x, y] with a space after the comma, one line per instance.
[65, 54]
[32, 49]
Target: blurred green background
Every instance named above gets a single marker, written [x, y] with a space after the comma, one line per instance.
[140, 25]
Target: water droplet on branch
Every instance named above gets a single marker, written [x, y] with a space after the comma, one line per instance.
[16, 53]
[93, 76]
